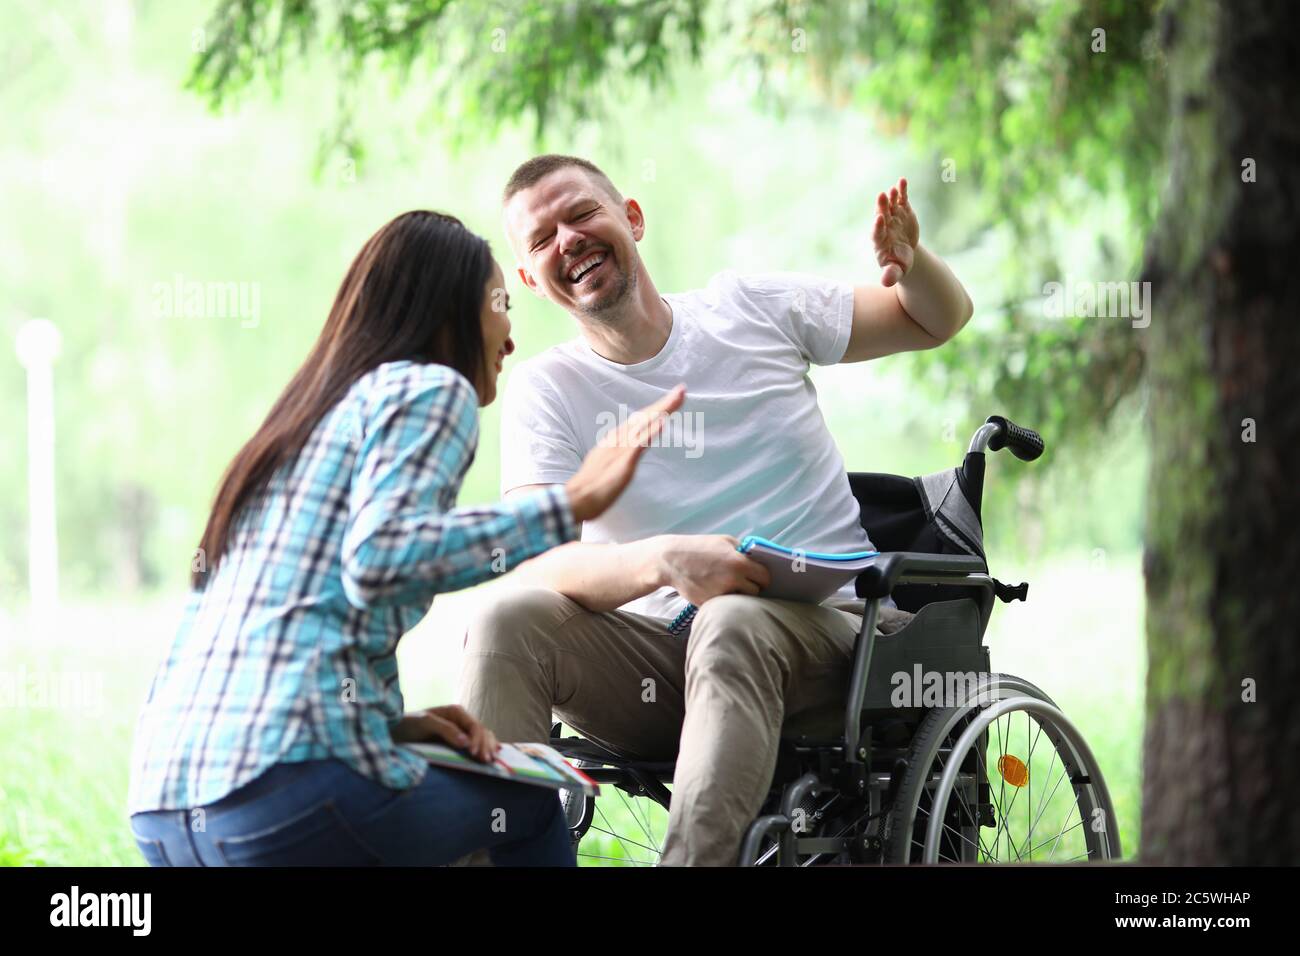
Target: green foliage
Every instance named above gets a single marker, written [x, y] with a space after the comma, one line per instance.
[120, 183]
[485, 63]
[1018, 97]
[115, 184]
[1014, 95]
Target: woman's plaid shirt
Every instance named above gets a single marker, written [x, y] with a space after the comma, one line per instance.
[288, 653]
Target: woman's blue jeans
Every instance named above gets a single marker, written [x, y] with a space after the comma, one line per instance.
[324, 813]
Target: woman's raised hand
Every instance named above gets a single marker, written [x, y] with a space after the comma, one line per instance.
[608, 467]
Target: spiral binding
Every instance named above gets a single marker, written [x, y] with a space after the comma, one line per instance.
[682, 622]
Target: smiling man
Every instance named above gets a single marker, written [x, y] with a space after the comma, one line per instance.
[587, 638]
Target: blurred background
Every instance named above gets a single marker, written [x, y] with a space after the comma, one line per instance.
[120, 188]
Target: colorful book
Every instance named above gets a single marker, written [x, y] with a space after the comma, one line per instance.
[536, 764]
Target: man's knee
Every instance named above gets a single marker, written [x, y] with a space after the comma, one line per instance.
[733, 614]
[734, 631]
[516, 619]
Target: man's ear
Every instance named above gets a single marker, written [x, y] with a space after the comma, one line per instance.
[635, 218]
[527, 279]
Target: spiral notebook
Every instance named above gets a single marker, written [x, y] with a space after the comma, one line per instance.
[797, 575]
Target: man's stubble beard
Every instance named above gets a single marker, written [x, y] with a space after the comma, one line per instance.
[612, 307]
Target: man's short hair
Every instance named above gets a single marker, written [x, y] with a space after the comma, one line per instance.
[539, 167]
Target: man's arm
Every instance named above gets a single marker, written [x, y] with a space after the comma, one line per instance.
[603, 577]
[919, 303]
[600, 577]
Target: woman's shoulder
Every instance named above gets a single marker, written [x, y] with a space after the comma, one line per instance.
[407, 381]
[409, 398]
[409, 373]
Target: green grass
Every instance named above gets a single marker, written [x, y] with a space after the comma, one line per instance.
[64, 769]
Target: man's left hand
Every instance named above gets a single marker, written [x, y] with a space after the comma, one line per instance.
[895, 234]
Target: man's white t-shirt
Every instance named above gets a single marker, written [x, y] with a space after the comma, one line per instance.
[749, 451]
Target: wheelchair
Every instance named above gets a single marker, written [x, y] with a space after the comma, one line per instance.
[940, 760]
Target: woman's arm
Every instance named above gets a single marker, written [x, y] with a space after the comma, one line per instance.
[402, 543]
[405, 544]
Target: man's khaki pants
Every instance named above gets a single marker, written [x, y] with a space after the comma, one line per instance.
[716, 699]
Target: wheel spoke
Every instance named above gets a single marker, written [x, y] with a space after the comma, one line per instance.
[1029, 766]
[1002, 792]
[1058, 836]
[912, 826]
[647, 841]
[646, 809]
[964, 813]
[610, 831]
[1004, 812]
[621, 839]
[964, 805]
[961, 836]
[1055, 786]
[1028, 839]
[637, 817]
[767, 854]
[946, 827]
[1006, 817]
[615, 859]
[1064, 771]
[1063, 831]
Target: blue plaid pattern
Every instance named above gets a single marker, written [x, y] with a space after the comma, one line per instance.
[288, 653]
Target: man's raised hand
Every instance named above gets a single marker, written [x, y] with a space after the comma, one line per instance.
[895, 234]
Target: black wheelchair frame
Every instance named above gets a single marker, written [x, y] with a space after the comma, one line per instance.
[876, 762]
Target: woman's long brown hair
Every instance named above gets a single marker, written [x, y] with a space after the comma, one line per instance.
[414, 291]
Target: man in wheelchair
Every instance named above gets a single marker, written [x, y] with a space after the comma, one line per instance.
[587, 637]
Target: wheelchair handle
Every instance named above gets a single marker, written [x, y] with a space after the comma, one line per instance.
[998, 433]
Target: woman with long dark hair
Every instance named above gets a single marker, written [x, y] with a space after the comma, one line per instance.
[273, 730]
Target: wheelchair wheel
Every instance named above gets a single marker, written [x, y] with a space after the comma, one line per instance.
[1002, 778]
[625, 826]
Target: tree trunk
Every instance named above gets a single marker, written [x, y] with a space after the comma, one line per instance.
[1222, 562]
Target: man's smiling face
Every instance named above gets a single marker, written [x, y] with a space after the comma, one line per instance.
[575, 242]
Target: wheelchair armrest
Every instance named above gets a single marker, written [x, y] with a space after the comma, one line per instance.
[892, 567]
[878, 581]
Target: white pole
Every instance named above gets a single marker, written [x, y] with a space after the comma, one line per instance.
[37, 344]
